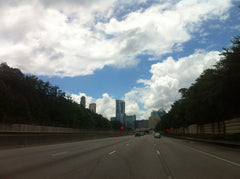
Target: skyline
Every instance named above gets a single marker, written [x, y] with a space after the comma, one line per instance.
[141, 52]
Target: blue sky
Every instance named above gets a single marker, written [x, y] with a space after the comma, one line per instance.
[113, 81]
[138, 50]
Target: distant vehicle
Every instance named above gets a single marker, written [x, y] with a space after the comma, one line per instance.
[137, 134]
[157, 135]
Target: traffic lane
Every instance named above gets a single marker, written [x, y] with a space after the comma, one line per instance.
[129, 157]
[24, 159]
[137, 159]
[93, 165]
[19, 161]
[188, 162]
[25, 151]
[117, 161]
[229, 153]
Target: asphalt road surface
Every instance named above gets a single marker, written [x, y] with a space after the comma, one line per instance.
[122, 157]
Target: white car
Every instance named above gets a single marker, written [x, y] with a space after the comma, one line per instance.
[157, 135]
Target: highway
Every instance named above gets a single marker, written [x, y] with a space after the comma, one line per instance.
[122, 157]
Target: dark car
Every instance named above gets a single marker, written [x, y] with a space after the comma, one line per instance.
[137, 134]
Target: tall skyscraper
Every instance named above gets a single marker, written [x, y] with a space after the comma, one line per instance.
[158, 113]
[83, 102]
[155, 117]
[130, 121]
[120, 111]
[92, 107]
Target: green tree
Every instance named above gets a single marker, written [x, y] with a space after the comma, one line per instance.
[27, 99]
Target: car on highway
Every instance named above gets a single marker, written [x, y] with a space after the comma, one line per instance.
[138, 134]
[157, 135]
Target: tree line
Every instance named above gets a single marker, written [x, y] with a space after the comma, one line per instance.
[26, 99]
[214, 97]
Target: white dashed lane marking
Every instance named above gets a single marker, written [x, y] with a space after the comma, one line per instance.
[110, 153]
[60, 153]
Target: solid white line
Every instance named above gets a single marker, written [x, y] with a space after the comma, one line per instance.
[214, 156]
[110, 153]
[60, 153]
[158, 152]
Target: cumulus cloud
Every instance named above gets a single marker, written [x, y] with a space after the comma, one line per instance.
[168, 77]
[161, 90]
[77, 98]
[71, 38]
[131, 104]
[105, 106]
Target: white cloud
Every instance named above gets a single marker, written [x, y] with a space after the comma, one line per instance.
[77, 98]
[168, 77]
[70, 38]
[67, 38]
[106, 106]
[131, 105]
[161, 90]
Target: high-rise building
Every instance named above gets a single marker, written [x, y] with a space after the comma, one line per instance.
[113, 119]
[141, 124]
[92, 107]
[120, 111]
[130, 121]
[155, 117]
[154, 113]
[83, 102]
[158, 113]
[153, 121]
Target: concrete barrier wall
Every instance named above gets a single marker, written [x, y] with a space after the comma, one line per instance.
[224, 127]
[14, 140]
[25, 128]
[232, 126]
[33, 128]
[15, 135]
[192, 129]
